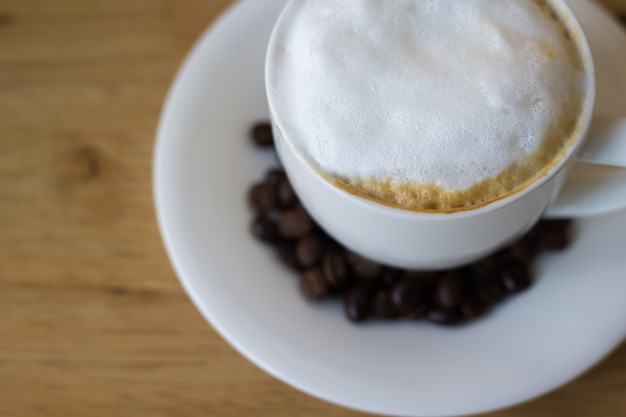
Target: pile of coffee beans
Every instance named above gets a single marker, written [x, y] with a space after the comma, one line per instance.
[368, 289]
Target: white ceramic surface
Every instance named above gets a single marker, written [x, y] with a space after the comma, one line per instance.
[573, 316]
[403, 238]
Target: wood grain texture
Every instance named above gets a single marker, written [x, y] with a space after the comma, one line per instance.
[93, 321]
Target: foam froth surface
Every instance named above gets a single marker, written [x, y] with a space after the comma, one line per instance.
[429, 103]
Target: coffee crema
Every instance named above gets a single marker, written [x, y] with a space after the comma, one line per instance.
[424, 105]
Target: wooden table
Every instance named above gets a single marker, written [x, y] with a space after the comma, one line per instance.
[93, 321]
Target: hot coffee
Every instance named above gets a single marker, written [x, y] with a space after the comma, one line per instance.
[430, 105]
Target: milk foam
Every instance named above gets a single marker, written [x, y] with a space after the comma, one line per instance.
[442, 94]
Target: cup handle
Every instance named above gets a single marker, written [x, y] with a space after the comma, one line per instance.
[606, 143]
[596, 183]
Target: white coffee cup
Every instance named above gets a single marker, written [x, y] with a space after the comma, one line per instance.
[421, 240]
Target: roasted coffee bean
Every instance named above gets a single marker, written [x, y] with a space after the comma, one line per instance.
[486, 267]
[383, 305]
[286, 251]
[262, 135]
[420, 310]
[428, 278]
[524, 249]
[312, 284]
[390, 276]
[335, 267]
[472, 307]
[358, 302]
[407, 294]
[450, 288]
[533, 233]
[515, 277]
[364, 268]
[444, 316]
[489, 289]
[286, 196]
[295, 224]
[554, 234]
[310, 250]
[273, 177]
[264, 229]
[263, 197]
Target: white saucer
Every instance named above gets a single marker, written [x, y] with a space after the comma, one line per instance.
[573, 316]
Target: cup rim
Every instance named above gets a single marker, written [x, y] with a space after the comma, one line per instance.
[549, 173]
